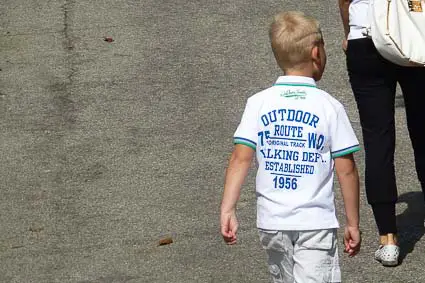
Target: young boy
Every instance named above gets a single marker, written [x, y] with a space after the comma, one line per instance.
[299, 134]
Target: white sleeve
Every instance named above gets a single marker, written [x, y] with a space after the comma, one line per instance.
[247, 131]
[343, 138]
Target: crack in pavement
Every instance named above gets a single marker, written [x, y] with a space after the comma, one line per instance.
[69, 41]
[65, 108]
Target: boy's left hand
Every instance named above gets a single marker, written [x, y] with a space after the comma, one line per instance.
[229, 227]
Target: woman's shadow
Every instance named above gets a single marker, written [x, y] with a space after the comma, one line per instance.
[410, 223]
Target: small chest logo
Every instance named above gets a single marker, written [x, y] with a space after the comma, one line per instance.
[297, 94]
[415, 6]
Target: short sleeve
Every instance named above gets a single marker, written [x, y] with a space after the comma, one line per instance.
[343, 138]
[247, 133]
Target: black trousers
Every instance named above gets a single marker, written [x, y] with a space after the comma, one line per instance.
[373, 80]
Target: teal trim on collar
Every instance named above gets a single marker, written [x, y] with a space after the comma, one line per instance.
[296, 84]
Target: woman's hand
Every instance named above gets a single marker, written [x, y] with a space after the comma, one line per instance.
[344, 45]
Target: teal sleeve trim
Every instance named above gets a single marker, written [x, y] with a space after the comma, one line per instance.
[246, 142]
[345, 151]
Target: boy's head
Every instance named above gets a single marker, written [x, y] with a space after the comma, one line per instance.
[298, 44]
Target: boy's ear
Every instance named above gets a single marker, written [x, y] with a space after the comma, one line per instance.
[315, 54]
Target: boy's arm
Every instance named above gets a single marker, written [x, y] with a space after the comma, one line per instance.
[239, 164]
[349, 181]
[343, 10]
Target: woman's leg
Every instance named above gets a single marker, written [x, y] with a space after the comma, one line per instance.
[373, 81]
[412, 84]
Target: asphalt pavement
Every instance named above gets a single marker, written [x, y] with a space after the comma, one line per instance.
[109, 146]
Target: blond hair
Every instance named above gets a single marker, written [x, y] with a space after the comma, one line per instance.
[292, 37]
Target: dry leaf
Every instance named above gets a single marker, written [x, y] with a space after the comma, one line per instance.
[165, 241]
[108, 39]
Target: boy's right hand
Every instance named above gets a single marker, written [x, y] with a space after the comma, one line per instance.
[352, 240]
[229, 227]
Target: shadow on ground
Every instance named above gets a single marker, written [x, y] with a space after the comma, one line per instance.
[410, 223]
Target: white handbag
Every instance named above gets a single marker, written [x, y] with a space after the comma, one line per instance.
[397, 28]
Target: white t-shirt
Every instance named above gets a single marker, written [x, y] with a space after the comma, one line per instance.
[296, 130]
[358, 18]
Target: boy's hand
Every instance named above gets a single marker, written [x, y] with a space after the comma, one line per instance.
[352, 240]
[229, 227]
[349, 181]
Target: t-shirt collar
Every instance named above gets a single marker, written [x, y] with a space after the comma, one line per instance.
[295, 81]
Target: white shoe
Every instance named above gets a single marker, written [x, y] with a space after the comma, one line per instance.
[388, 255]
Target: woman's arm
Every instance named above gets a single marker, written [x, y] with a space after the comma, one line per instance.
[343, 10]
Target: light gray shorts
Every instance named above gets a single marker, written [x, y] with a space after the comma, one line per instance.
[302, 256]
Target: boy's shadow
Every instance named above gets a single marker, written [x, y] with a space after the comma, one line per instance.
[410, 223]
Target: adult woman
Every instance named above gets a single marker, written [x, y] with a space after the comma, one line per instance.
[373, 81]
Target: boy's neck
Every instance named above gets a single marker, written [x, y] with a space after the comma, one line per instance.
[298, 73]
[305, 71]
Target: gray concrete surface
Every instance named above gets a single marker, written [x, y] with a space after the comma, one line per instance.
[106, 147]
